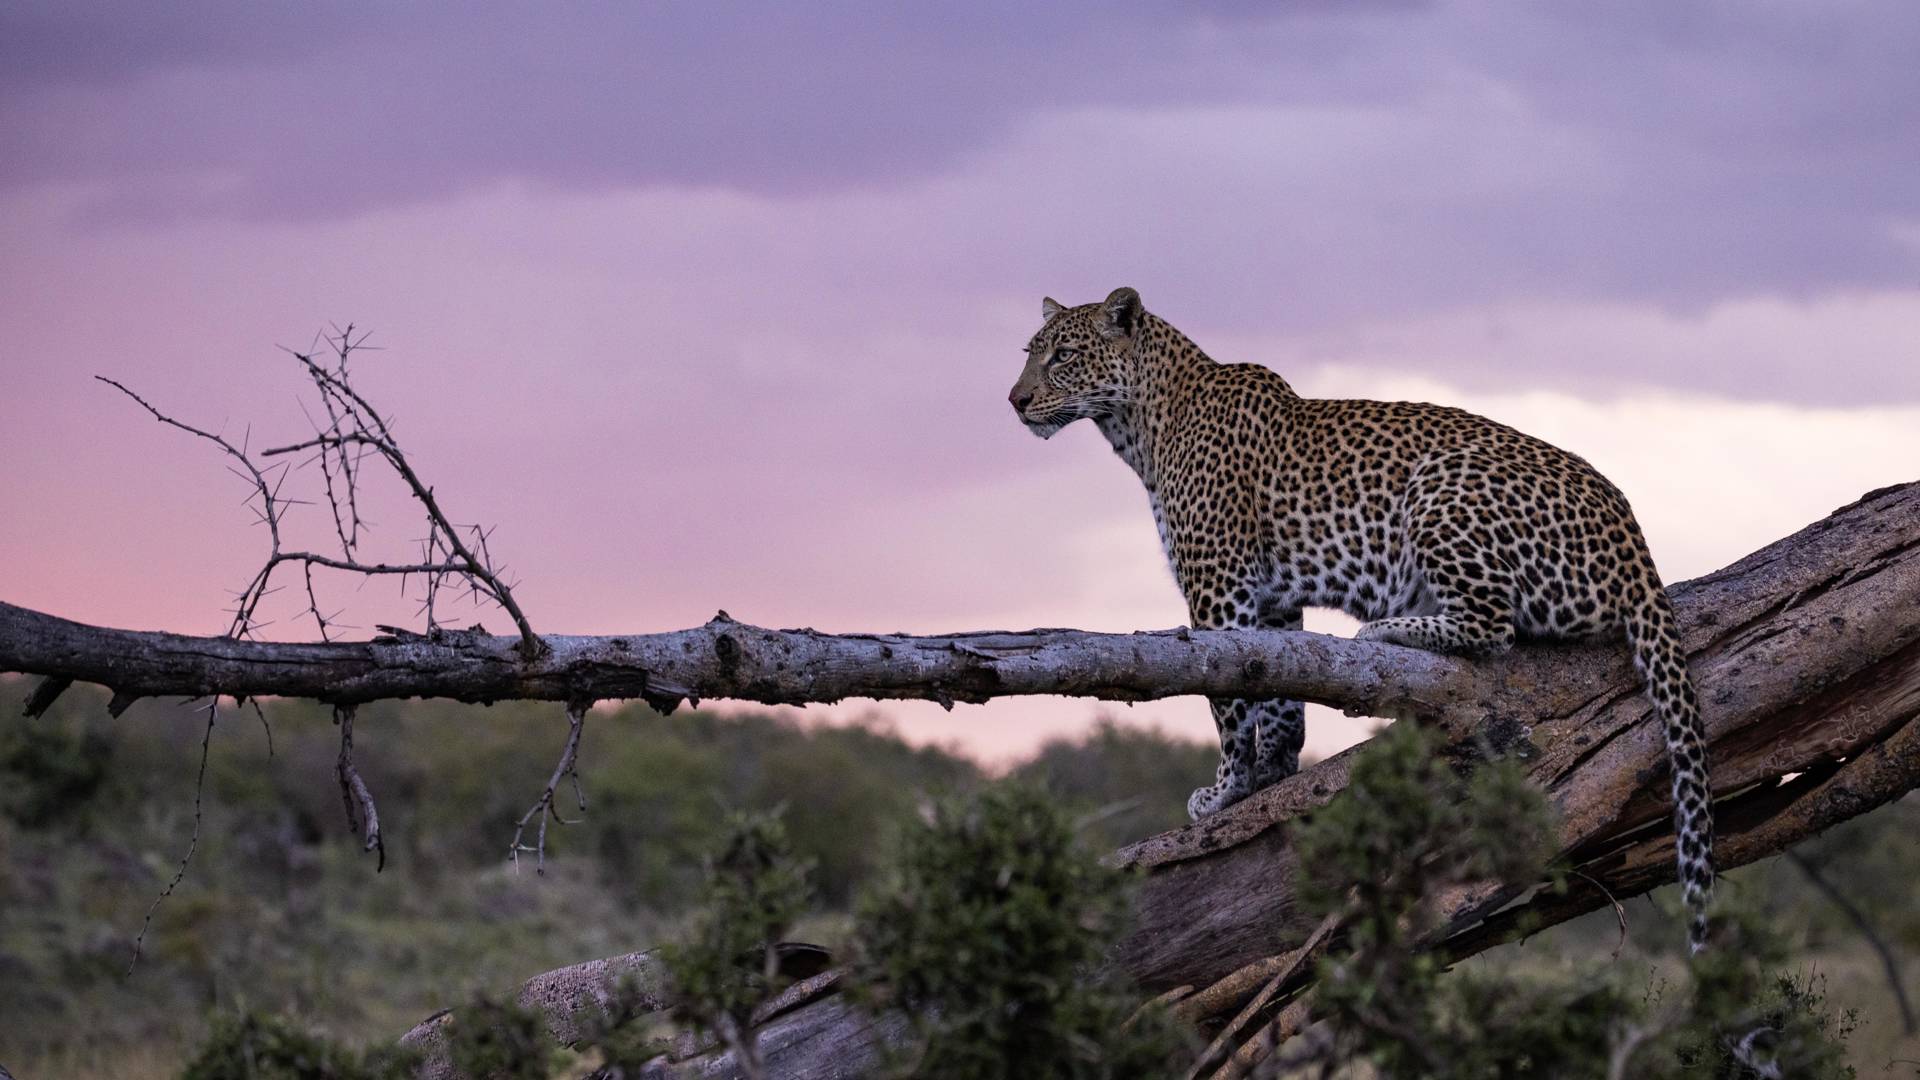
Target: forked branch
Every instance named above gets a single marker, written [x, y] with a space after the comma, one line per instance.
[353, 429]
[543, 808]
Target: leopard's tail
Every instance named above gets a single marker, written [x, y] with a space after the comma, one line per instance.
[1655, 640]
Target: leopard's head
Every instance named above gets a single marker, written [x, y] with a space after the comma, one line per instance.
[1079, 366]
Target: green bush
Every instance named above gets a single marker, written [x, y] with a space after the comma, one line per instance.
[1123, 784]
[1409, 825]
[493, 1039]
[281, 912]
[48, 768]
[249, 1046]
[727, 965]
[987, 933]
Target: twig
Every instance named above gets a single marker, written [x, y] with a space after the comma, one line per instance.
[543, 808]
[745, 1046]
[1747, 1050]
[1619, 911]
[363, 816]
[264, 726]
[1163, 1001]
[1228, 1034]
[1111, 810]
[353, 428]
[44, 694]
[193, 842]
[269, 509]
[1860, 922]
[1262, 1043]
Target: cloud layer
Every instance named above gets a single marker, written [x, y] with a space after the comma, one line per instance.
[716, 306]
[1345, 159]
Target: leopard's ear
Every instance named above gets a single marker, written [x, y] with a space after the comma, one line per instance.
[1049, 307]
[1120, 314]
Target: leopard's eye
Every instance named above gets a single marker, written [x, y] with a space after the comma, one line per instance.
[1061, 356]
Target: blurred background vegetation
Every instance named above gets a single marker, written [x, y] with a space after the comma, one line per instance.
[282, 912]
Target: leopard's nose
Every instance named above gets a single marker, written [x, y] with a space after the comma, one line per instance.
[1020, 399]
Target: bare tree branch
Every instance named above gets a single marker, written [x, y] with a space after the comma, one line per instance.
[193, 841]
[1293, 964]
[1739, 621]
[355, 423]
[728, 659]
[269, 509]
[543, 808]
[363, 816]
[353, 427]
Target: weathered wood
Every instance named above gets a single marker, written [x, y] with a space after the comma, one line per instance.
[563, 996]
[568, 998]
[1807, 658]
[728, 659]
[1806, 655]
[1804, 652]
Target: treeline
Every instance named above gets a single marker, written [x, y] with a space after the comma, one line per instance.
[281, 914]
[281, 911]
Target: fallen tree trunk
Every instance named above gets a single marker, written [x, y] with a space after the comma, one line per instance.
[1807, 659]
[1806, 655]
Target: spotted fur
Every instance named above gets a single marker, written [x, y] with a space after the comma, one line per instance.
[1442, 530]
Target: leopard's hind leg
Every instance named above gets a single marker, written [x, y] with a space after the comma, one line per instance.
[1471, 585]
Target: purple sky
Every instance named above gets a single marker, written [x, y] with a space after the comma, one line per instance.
[716, 305]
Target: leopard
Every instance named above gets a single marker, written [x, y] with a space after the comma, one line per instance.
[1437, 528]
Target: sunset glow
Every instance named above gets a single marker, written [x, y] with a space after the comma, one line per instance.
[717, 307]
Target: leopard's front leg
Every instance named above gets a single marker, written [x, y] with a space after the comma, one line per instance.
[1280, 727]
[1259, 739]
[1233, 777]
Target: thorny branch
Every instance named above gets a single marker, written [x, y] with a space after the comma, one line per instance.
[449, 554]
[193, 841]
[353, 428]
[268, 512]
[264, 725]
[1317, 1046]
